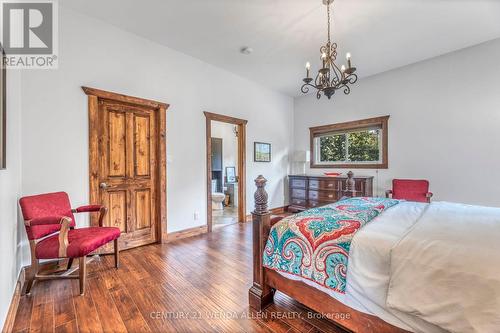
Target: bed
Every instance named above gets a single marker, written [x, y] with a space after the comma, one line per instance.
[394, 281]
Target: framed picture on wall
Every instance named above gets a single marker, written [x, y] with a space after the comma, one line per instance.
[3, 111]
[261, 152]
[230, 174]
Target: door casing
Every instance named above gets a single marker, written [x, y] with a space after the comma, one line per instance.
[94, 96]
[241, 123]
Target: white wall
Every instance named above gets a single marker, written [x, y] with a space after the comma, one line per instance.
[10, 189]
[95, 54]
[444, 125]
[225, 132]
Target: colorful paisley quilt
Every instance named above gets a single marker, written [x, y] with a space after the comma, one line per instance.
[315, 244]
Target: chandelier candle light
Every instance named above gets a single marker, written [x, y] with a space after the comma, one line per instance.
[330, 77]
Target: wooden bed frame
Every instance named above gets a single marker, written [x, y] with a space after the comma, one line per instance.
[267, 281]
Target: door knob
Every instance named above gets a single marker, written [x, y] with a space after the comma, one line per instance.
[103, 186]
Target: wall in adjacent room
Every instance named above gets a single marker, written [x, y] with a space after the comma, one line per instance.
[444, 124]
[95, 54]
[10, 190]
[225, 132]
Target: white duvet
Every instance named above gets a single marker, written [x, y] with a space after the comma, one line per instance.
[411, 266]
[446, 269]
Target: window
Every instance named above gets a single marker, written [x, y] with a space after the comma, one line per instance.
[356, 144]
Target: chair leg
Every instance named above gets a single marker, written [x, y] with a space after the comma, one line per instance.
[70, 263]
[29, 284]
[117, 254]
[70, 260]
[32, 271]
[83, 273]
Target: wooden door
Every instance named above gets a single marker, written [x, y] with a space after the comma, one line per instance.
[127, 165]
[128, 171]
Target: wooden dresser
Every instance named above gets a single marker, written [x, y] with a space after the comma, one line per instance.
[312, 191]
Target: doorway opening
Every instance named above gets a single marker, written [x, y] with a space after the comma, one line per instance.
[226, 154]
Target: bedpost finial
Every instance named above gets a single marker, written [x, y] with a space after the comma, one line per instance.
[260, 195]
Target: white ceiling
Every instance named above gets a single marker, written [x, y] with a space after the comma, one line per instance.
[380, 34]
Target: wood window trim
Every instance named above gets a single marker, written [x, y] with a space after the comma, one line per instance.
[383, 122]
[94, 95]
[241, 123]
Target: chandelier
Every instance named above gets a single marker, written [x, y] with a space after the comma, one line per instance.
[330, 77]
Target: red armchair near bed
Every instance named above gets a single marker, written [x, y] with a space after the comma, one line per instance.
[410, 189]
[50, 225]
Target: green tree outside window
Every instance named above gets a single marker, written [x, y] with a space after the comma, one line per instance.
[361, 146]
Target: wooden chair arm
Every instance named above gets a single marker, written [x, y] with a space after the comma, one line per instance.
[87, 209]
[102, 213]
[48, 220]
[388, 193]
[65, 223]
[63, 236]
[91, 209]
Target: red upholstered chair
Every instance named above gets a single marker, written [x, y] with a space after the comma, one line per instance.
[50, 225]
[411, 190]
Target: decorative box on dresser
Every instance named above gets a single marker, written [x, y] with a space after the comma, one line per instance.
[307, 191]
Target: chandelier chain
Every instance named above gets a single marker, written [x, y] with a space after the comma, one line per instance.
[328, 13]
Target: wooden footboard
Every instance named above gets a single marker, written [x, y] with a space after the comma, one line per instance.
[266, 281]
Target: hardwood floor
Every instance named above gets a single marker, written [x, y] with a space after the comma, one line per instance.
[198, 284]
